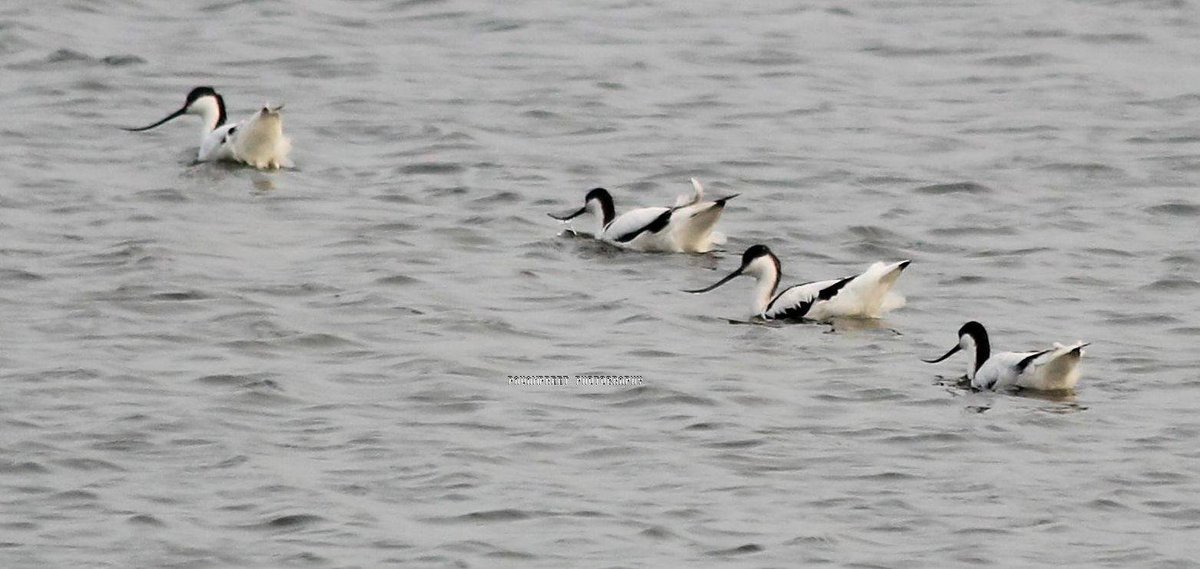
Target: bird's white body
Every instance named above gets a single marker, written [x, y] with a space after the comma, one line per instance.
[1050, 370]
[866, 295]
[1053, 369]
[257, 141]
[686, 227]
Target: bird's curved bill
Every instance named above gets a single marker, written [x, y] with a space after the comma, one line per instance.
[169, 117]
[568, 216]
[718, 283]
[952, 351]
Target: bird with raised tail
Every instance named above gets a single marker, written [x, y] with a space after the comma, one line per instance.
[257, 141]
[866, 295]
[1054, 369]
[686, 227]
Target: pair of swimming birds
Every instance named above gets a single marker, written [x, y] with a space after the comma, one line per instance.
[688, 227]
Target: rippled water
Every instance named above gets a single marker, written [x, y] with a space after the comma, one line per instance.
[208, 366]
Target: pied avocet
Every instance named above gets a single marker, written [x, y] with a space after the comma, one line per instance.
[1048, 370]
[686, 227]
[865, 295]
[258, 140]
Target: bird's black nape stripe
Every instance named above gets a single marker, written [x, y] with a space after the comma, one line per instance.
[983, 348]
[607, 212]
[220, 110]
[655, 226]
[206, 91]
[778, 272]
[983, 351]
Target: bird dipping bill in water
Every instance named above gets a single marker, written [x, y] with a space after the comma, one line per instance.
[686, 227]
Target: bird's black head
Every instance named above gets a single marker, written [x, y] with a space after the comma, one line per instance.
[194, 95]
[607, 211]
[598, 194]
[754, 252]
[197, 93]
[973, 329]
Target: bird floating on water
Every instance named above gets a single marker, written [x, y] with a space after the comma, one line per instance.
[258, 140]
[1048, 370]
[686, 227]
[865, 295]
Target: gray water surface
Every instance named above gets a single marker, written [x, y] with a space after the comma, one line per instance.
[210, 366]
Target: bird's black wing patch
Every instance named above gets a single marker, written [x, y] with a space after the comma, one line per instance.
[794, 312]
[832, 290]
[1024, 363]
[800, 310]
[655, 226]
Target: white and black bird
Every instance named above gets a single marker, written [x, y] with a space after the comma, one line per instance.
[1054, 369]
[686, 227]
[867, 295]
[257, 141]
